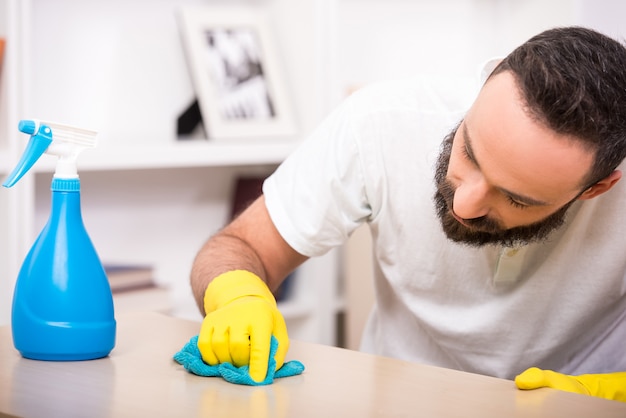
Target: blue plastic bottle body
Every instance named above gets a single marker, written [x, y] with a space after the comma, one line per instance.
[62, 304]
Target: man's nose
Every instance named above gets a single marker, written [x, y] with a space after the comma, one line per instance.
[471, 199]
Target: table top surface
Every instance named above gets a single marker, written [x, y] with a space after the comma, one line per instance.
[140, 378]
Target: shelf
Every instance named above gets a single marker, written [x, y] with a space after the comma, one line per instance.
[192, 153]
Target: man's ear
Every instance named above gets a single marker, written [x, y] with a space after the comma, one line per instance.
[602, 186]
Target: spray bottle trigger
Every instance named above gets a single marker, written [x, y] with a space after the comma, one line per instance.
[37, 145]
[27, 126]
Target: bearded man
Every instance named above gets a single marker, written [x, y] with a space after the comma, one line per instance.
[518, 262]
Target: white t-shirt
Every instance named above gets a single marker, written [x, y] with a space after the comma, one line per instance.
[558, 305]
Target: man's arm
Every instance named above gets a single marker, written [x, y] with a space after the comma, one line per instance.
[231, 279]
[251, 242]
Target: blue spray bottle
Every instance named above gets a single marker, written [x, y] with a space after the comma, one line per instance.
[62, 304]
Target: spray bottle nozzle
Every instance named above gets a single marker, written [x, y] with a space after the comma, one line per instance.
[28, 126]
[64, 141]
[40, 140]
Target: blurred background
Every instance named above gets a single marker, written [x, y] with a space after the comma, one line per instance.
[150, 198]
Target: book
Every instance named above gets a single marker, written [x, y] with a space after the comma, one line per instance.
[152, 299]
[2, 44]
[123, 277]
[247, 190]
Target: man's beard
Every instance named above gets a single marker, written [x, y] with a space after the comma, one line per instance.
[484, 230]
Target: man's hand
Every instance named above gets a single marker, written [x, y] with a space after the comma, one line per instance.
[609, 385]
[241, 318]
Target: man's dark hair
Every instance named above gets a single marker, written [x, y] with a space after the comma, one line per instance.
[573, 80]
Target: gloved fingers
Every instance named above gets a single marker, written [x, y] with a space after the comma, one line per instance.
[280, 332]
[260, 340]
[240, 347]
[214, 340]
[220, 344]
[534, 378]
[205, 343]
[241, 332]
[531, 378]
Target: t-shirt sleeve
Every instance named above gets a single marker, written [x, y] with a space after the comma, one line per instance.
[317, 196]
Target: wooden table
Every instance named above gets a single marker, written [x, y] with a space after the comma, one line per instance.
[140, 379]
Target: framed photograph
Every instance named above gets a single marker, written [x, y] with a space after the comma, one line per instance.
[235, 73]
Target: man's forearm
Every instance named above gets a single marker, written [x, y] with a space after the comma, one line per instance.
[222, 253]
[251, 242]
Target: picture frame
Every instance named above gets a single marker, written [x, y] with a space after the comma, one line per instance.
[235, 72]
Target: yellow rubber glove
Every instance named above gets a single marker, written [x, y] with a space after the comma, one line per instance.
[608, 385]
[241, 317]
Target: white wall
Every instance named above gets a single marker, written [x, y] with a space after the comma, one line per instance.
[604, 15]
[398, 38]
[122, 70]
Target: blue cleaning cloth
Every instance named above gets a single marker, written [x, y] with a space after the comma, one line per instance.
[189, 356]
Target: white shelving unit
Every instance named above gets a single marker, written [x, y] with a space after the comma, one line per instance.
[147, 196]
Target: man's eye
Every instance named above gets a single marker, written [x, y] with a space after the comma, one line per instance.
[515, 203]
[467, 155]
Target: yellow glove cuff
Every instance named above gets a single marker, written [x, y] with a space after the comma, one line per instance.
[232, 285]
[607, 385]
